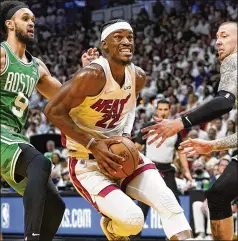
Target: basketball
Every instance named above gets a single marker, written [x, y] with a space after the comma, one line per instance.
[129, 152]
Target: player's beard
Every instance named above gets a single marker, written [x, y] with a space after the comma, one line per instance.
[120, 61]
[24, 38]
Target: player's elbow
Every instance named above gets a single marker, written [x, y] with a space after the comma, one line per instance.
[225, 101]
[227, 105]
[50, 112]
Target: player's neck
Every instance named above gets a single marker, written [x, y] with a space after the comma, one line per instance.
[17, 47]
[118, 72]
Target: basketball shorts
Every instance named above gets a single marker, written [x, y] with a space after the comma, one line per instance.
[90, 182]
[10, 152]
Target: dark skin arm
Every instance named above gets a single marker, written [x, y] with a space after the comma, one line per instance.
[87, 82]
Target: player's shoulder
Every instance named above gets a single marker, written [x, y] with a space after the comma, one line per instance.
[2, 51]
[92, 71]
[39, 62]
[91, 77]
[140, 72]
[229, 63]
[42, 67]
[3, 59]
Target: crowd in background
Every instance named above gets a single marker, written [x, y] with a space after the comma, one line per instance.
[175, 48]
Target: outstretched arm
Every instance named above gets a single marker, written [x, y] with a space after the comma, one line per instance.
[225, 143]
[211, 110]
[223, 102]
[198, 146]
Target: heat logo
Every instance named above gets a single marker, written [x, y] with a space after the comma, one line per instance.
[5, 215]
[112, 109]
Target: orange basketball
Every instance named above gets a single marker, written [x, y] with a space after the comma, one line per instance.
[126, 149]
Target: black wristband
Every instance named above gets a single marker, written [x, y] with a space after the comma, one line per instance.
[186, 122]
[218, 106]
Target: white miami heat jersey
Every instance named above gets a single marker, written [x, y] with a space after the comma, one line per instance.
[106, 113]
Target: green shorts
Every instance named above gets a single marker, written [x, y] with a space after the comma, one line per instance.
[10, 152]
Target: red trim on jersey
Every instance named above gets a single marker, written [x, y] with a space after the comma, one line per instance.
[137, 172]
[141, 161]
[79, 187]
[108, 189]
[63, 139]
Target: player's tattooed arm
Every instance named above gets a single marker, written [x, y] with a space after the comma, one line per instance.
[3, 59]
[228, 71]
[226, 143]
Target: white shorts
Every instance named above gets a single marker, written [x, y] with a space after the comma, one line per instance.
[90, 182]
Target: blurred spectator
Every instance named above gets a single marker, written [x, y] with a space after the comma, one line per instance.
[193, 134]
[231, 128]
[201, 133]
[50, 147]
[200, 175]
[211, 133]
[64, 182]
[220, 128]
[57, 164]
[146, 104]
[206, 95]
[34, 123]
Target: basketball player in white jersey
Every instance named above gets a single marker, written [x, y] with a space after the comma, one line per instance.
[99, 102]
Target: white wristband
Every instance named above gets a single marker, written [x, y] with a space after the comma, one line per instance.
[90, 142]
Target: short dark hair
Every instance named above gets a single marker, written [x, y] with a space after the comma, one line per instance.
[107, 24]
[163, 101]
[5, 7]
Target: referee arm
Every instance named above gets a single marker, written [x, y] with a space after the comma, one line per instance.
[183, 159]
[139, 142]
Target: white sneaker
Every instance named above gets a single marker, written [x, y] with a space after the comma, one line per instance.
[208, 237]
[199, 237]
[110, 236]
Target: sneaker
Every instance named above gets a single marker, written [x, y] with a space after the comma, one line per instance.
[199, 237]
[208, 237]
[110, 236]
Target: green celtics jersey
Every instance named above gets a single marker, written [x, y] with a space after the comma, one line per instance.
[17, 82]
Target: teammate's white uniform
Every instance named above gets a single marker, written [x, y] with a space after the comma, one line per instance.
[106, 114]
